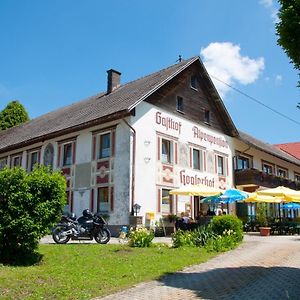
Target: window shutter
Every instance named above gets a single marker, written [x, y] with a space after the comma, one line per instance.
[191, 157]
[112, 198]
[158, 200]
[216, 164]
[158, 148]
[92, 200]
[94, 147]
[27, 162]
[227, 168]
[113, 142]
[74, 152]
[58, 156]
[204, 161]
[71, 202]
[176, 153]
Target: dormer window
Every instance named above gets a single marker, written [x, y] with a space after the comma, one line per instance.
[179, 104]
[194, 82]
[207, 116]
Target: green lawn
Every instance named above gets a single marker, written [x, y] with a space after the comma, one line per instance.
[85, 271]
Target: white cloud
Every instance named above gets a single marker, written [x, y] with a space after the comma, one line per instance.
[224, 61]
[278, 78]
[271, 6]
[267, 3]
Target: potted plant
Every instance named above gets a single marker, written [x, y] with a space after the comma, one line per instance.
[262, 220]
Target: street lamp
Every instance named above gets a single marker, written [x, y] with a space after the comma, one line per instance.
[136, 208]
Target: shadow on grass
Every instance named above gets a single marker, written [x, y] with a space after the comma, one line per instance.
[25, 260]
[239, 283]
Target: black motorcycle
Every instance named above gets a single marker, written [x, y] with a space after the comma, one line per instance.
[87, 227]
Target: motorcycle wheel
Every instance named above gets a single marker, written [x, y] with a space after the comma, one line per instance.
[58, 236]
[103, 236]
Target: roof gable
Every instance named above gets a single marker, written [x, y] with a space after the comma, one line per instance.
[98, 109]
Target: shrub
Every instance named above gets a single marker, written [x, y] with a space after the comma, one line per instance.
[221, 224]
[202, 234]
[222, 243]
[29, 205]
[183, 238]
[140, 237]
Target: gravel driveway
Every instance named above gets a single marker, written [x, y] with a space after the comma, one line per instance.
[261, 268]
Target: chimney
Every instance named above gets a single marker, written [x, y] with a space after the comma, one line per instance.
[113, 80]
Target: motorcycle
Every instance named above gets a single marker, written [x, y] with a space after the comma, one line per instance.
[86, 227]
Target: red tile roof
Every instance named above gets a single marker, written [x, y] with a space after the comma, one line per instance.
[290, 148]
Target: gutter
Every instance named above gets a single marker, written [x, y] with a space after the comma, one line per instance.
[133, 164]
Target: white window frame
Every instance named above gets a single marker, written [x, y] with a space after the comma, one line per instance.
[279, 169]
[12, 159]
[265, 163]
[98, 200]
[180, 108]
[223, 173]
[63, 145]
[171, 151]
[191, 82]
[29, 163]
[98, 147]
[200, 159]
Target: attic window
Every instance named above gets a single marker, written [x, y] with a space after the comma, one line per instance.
[206, 116]
[194, 82]
[179, 104]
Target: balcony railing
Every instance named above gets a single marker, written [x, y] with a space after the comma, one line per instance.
[259, 178]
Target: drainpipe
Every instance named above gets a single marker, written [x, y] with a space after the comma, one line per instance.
[133, 163]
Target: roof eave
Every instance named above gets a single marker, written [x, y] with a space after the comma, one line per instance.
[105, 119]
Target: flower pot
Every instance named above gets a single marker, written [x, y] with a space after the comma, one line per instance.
[264, 231]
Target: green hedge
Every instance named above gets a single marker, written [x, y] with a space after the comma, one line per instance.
[223, 224]
[29, 205]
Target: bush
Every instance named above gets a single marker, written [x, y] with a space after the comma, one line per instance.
[197, 237]
[29, 205]
[222, 243]
[221, 225]
[140, 237]
[202, 234]
[182, 238]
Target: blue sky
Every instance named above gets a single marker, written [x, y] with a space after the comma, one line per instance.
[56, 52]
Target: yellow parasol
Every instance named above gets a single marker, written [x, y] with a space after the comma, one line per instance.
[255, 198]
[196, 190]
[285, 193]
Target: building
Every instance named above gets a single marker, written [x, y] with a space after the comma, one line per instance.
[135, 142]
[290, 148]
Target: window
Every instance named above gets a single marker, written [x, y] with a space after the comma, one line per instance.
[67, 154]
[197, 159]
[282, 172]
[267, 168]
[104, 146]
[194, 82]
[3, 163]
[207, 116]
[33, 158]
[166, 202]
[297, 177]
[179, 104]
[166, 151]
[221, 168]
[103, 202]
[242, 162]
[49, 155]
[16, 161]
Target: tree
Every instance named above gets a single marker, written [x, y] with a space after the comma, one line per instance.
[29, 205]
[288, 30]
[12, 115]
